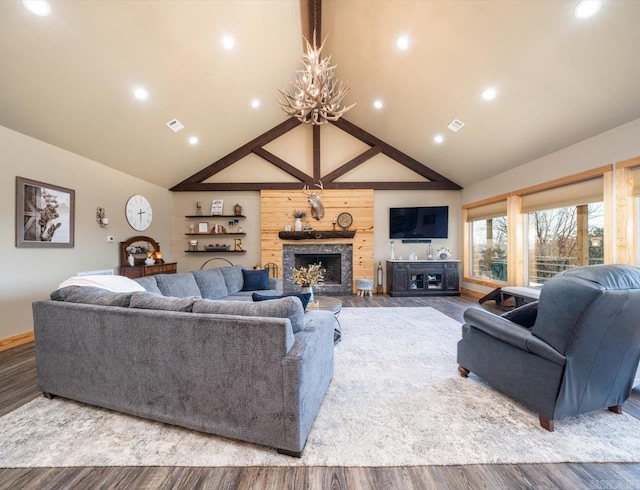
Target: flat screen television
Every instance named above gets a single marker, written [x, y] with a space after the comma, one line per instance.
[419, 222]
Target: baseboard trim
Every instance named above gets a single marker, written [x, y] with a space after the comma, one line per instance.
[16, 340]
[471, 292]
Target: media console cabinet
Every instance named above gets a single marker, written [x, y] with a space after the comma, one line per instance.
[423, 277]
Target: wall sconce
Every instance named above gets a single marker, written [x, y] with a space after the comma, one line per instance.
[100, 217]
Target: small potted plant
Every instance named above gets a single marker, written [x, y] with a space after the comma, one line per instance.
[298, 215]
[308, 277]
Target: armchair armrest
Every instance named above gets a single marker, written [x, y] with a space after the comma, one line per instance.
[512, 334]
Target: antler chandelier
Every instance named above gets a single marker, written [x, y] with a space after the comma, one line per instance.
[314, 97]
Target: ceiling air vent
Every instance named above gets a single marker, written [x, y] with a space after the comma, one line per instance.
[175, 125]
[455, 125]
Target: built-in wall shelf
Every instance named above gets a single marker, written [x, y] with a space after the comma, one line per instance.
[215, 251]
[215, 234]
[316, 234]
[212, 216]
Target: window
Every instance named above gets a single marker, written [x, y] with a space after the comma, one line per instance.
[489, 249]
[562, 238]
[487, 239]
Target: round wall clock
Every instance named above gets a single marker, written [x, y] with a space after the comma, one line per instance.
[139, 213]
[345, 220]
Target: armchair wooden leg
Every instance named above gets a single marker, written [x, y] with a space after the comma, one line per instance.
[464, 372]
[546, 423]
[616, 409]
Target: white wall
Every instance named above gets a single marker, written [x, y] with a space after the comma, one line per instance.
[383, 200]
[612, 146]
[29, 274]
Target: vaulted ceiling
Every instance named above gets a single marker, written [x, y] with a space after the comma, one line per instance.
[68, 78]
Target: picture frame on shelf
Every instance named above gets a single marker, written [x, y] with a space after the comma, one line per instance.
[203, 227]
[216, 207]
[45, 215]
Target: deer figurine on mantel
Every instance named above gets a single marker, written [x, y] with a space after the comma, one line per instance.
[317, 209]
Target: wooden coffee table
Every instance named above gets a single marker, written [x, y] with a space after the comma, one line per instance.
[334, 305]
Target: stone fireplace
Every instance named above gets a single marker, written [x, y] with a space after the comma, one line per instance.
[337, 259]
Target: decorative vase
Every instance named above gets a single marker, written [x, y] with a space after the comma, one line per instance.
[393, 254]
[444, 254]
[308, 289]
[131, 259]
[297, 226]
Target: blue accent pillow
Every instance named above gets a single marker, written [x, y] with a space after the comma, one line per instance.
[304, 298]
[255, 280]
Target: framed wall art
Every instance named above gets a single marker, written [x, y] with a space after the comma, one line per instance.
[45, 215]
[216, 207]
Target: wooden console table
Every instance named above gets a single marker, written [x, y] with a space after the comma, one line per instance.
[139, 268]
[423, 277]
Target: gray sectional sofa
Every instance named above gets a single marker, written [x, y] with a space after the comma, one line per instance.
[251, 371]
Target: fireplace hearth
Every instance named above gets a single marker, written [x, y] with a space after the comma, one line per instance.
[337, 259]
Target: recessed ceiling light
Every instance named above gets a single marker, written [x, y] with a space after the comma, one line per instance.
[587, 8]
[377, 104]
[140, 93]
[489, 93]
[37, 7]
[438, 138]
[402, 42]
[228, 42]
[255, 103]
[193, 140]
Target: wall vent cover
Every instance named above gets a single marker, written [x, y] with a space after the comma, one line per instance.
[175, 125]
[455, 125]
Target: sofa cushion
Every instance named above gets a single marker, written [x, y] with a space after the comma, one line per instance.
[211, 283]
[116, 284]
[91, 295]
[180, 285]
[155, 301]
[149, 283]
[255, 280]
[288, 307]
[233, 278]
[304, 297]
[525, 315]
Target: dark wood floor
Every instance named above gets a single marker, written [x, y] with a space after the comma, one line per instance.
[18, 386]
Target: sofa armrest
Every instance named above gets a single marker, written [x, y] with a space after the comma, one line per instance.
[307, 371]
[512, 334]
[275, 283]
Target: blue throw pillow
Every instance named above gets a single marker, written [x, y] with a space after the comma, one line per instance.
[304, 298]
[255, 280]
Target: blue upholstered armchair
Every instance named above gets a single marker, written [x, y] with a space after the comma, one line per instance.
[580, 355]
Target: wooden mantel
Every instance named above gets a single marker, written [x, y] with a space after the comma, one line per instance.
[276, 209]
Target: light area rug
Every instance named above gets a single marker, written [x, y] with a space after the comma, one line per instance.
[396, 399]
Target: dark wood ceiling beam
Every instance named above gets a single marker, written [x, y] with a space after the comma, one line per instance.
[257, 186]
[315, 21]
[240, 153]
[393, 153]
[281, 164]
[351, 164]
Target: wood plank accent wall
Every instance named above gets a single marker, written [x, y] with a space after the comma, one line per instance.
[276, 207]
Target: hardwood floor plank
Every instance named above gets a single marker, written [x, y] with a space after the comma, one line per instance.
[18, 386]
